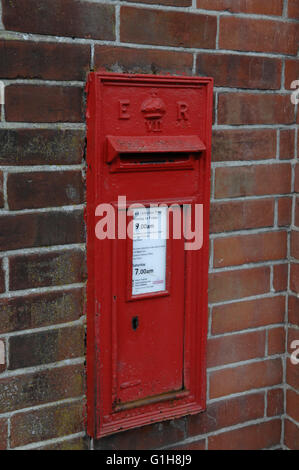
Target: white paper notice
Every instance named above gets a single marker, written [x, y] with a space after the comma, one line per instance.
[149, 250]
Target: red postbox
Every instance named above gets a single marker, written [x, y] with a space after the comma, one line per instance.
[148, 151]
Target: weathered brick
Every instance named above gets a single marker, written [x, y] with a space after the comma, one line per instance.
[78, 443]
[294, 278]
[250, 108]
[72, 18]
[37, 103]
[275, 402]
[147, 437]
[130, 60]
[246, 34]
[229, 285]
[46, 423]
[243, 144]
[243, 6]
[239, 181]
[292, 372]
[276, 341]
[255, 437]
[2, 279]
[3, 362]
[291, 433]
[41, 229]
[41, 146]
[232, 70]
[292, 400]
[226, 413]
[42, 60]
[293, 9]
[245, 377]
[46, 347]
[46, 269]
[160, 27]
[175, 3]
[242, 249]
[195, 445]
[291, 72]
[26, 390]
[241, 215]
[249, 314]
[284, 211]
[39, 310]
[280, 277]
[287, 141]
[3, 434]
[44, 189]
[293, 310]
[235, 348]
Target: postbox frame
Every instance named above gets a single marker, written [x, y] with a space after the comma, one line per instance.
[177, 404]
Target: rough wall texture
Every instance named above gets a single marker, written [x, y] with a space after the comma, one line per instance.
[249, 47]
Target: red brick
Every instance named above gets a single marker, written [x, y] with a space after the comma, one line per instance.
[243, 6]
[284, 211]
[293, 310]
[255, 437]
[241, 215]
[243, 144]
[3, 434]
[280, 277]
[293, 9]
[232, 70]
[36, 103]
[195, 445]
[42, 60]
[46, 347]
[46, 423]
[246, 34]
[229, 285]
[249, 314]
[291, 433]
[175, 3]
[295, 244]
[41, 146]
[287, 141]
[250, 180]
[293, 337]
[41, 229]
[68, 18]
[38, 388]
[44, 189]
[292, 372]
[160, 27]
[292, 400]
[46, 269]
[276, 341]
[235, 348]
[250, 108]
[294, 278]
[275, 402]
[297, 211]
[242, 249]
[40, 310]
[147, 437]
[245, 377]
[226, 413]
[130, 60]
[297, 178]
[291, 72]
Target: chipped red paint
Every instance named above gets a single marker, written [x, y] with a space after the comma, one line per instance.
[149, 139]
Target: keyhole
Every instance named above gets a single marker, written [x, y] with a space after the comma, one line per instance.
[135, 323]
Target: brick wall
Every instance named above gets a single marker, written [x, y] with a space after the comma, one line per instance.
[249, 47]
